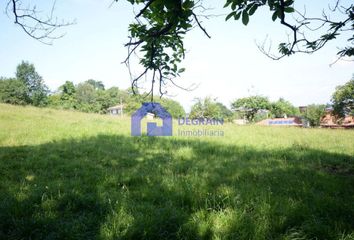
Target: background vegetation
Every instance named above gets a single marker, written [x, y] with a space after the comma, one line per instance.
[28, 88]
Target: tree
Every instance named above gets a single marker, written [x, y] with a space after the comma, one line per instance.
[173, 107]
[250, 106]
[13, 91]
[85, 93]
[55, 101]
[224, 112]
[209, 108]
[161, 26]
[98, 85]
[41, 28]
[67, 90]
[314, 113]
[133, 103]
[67, 96]
[282, 108]
[343, 99]
[117, 95]
[37, 90]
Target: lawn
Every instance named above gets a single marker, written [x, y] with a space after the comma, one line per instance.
[69, 175]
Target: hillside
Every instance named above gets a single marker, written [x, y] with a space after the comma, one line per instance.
[71, 175]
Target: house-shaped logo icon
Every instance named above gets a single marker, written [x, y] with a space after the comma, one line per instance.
[152, 128]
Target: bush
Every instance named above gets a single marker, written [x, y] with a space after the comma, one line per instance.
[13, 91]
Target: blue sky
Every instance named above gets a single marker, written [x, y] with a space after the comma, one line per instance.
[226, 67]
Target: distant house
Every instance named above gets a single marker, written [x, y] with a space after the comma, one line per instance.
[328, 120]
[240, 121]
[348, 122]
[116, 110]
[291, 121]
[331, 121]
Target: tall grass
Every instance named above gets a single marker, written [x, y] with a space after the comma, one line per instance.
[68, 175]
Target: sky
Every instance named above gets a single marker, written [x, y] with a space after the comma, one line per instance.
[226, 67]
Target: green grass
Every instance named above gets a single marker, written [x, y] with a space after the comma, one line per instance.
[67, 175]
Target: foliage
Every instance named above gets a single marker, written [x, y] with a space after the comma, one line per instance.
[98, 85]
[299, 42]
[68, 96]
[37, 90]
[85, 93]
[160, 27]
[55, 101]
[282, 108]
[314, 113]
[250, 106]
[343, 99]
[13, 91]
[133, 103]
[71, 175]
[160, 38]
[224, 112]
[173, 107]
[67, 90]
[209, 108]
[115, 94]
[88, 98]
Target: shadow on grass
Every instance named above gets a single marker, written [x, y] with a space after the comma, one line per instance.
[117, 187]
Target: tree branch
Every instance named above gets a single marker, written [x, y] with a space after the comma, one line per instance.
[144, 9]
[200, 26]
[34, 26]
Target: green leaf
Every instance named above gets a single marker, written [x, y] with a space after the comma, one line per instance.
[280, 13]
[227, 3]
[233, 6]
[271, 4]
[181, 70]
[275, 15]
[289, 10]
[230, 15]
[245, 18]
[289, 2]
[253, 10]
[237, 16]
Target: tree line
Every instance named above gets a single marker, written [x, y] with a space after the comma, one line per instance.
[256, 108]
[28, 88]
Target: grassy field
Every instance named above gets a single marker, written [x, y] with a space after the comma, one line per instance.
[67, 175]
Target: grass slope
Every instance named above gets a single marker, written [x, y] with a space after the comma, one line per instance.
[67, 175]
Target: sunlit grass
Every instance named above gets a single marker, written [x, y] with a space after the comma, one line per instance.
[69, 175]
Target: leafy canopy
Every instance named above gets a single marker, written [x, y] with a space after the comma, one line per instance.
[13, 91]
[210, 108]
[161, 25]
[343, 99]
[283, 108]
[37, 90]
[250, 106]
[313, 114]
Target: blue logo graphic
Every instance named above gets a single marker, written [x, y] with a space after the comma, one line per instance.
[152, 128]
